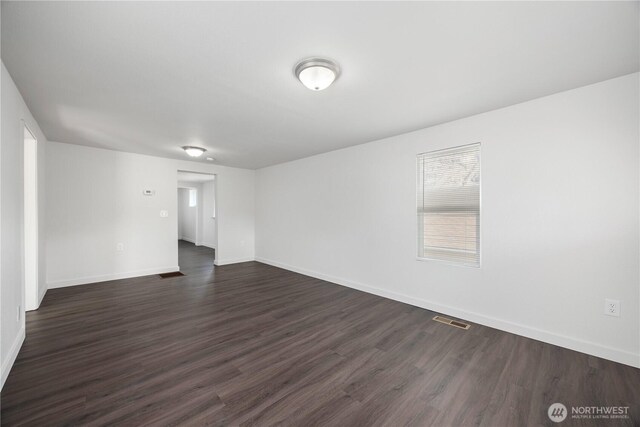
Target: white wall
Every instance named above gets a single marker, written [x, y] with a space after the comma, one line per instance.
[208, 221]
[181, 192]
[14, 111]
[187, 216]
[560, 209]
[95, 200]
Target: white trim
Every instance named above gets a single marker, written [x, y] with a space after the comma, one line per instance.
[31, 213]
[41, 297]
[583, 346]
[11, 356]
[233, 261]
[107, 277]
[207, 244]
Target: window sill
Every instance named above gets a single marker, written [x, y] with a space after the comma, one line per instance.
[455, 264]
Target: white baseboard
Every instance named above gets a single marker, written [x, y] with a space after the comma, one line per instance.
[588, 347]
[232, 261]
[207, 244]
[106, 277]
[41, 296]
[11, 356]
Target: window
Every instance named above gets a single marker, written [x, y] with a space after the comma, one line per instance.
[449, 205]
[193, 198]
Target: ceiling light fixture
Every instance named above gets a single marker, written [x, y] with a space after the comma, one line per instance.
[194, 151]
[316, 73]
[211, 159]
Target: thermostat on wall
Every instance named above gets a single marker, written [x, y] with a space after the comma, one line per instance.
[148, 192]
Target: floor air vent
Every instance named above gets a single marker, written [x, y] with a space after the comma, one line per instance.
[455, 323]
[173, 274]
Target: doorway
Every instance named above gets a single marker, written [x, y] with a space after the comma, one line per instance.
[31, 296]
[196, 218]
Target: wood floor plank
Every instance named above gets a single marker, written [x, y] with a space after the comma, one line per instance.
[253, 345]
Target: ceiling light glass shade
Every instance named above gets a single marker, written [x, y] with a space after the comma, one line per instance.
[317, 73]
[194, 151]
[317, 78]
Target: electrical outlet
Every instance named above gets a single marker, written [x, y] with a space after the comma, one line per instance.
[612, 307]
[18, 313]
[120, 247]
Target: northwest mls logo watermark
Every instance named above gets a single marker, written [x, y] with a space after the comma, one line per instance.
[557, 412]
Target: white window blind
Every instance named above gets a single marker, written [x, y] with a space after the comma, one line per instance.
[449, 205]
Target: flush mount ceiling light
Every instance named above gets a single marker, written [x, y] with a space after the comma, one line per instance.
[194, 151]
[317, 73]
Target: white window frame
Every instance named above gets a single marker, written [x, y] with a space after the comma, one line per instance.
[420, 219]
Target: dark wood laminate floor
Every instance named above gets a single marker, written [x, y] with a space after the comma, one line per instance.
[251, 344]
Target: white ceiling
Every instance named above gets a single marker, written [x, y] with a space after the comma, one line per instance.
[150, 77]
[195, 177]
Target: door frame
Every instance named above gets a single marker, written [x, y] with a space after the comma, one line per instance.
[201, 216]
[30, 218]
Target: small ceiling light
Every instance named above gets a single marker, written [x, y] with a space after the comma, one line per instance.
[317, 73]
[194, 151]
[210, 159]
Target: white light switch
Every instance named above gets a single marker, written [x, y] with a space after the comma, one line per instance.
[164, 214]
